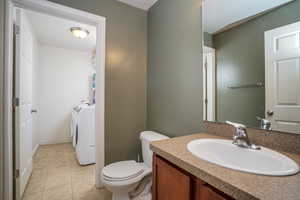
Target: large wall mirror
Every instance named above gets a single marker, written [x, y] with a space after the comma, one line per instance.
[251, 63]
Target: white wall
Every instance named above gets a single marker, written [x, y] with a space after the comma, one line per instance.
[63, 82]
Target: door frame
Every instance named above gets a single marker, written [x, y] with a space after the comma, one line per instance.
[57, 10]
[212, 51]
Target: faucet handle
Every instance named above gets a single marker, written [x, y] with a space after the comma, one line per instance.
[240, 137]
[263, 120]
[264, 123]
[236, 125]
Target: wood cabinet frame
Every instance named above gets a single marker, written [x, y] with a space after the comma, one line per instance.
[171, 182]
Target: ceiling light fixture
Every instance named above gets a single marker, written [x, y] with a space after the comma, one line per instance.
[79, 32]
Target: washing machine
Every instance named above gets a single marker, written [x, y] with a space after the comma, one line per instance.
[84, 134]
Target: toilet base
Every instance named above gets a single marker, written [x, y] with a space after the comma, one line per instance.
[120, 196]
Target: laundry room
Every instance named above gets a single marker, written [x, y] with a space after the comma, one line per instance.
[58, 76]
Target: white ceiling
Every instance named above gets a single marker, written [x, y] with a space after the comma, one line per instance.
[143, 4]
[217, 14]
[56, 32]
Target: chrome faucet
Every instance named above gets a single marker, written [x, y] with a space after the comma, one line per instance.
[240, 137]
[264, 123]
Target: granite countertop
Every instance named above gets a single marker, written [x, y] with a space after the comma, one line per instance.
[239, 185]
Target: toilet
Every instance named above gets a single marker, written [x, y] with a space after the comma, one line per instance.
[123, 177]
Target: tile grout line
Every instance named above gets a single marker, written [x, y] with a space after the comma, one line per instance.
[46, 160]
[72, 189]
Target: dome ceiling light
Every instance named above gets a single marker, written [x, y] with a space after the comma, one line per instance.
[80, 33]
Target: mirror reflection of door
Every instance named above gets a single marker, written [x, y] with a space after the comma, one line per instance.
[209, 83]
[282, 56]
[257, 63]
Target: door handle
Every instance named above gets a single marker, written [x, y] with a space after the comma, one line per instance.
[33, 111]
[270, 113]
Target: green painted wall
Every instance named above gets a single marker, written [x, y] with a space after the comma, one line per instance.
[1, 93]
[175, 67]
[175, 70]
[240, 59]
[126, 74]
[208, 39]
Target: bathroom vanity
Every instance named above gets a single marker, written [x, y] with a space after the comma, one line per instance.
[178, 174]
[172, 182]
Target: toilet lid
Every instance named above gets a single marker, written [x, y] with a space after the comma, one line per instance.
[123, 170]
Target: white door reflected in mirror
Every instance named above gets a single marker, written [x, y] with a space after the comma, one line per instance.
[256, 63]
[282, 55]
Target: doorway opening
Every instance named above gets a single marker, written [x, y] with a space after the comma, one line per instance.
[55, 60]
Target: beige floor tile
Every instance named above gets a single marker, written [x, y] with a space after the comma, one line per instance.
[40, 155]
[38, 176]
[104, 194]
[57, 181]
[94, 194]
[83, 180]
[82, 188]
[59, 171]
[81, 176]
[84, 169]
[73, 164]
[35, 196]
[58, 176]
[34, 187]
[41, 164]
[59, 163]
[62, 192]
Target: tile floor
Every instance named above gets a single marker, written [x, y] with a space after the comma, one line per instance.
[58, 176]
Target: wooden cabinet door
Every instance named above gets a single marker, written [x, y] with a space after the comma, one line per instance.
[169, 183]
[202, 191]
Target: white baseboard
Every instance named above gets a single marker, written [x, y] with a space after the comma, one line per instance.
[35, 149]
[57, 141]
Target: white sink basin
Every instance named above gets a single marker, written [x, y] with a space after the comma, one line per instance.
[226, 154]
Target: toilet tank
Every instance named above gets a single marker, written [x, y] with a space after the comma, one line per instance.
[146, 138]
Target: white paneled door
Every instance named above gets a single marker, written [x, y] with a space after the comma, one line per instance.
[23, 97]
[282, 71]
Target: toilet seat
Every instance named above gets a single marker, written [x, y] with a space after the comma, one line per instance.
[109, 179]
[121, 171]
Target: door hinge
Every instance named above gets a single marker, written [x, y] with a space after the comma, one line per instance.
[16, 102]
[206, 101]
[17, 173]
[16, 29]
